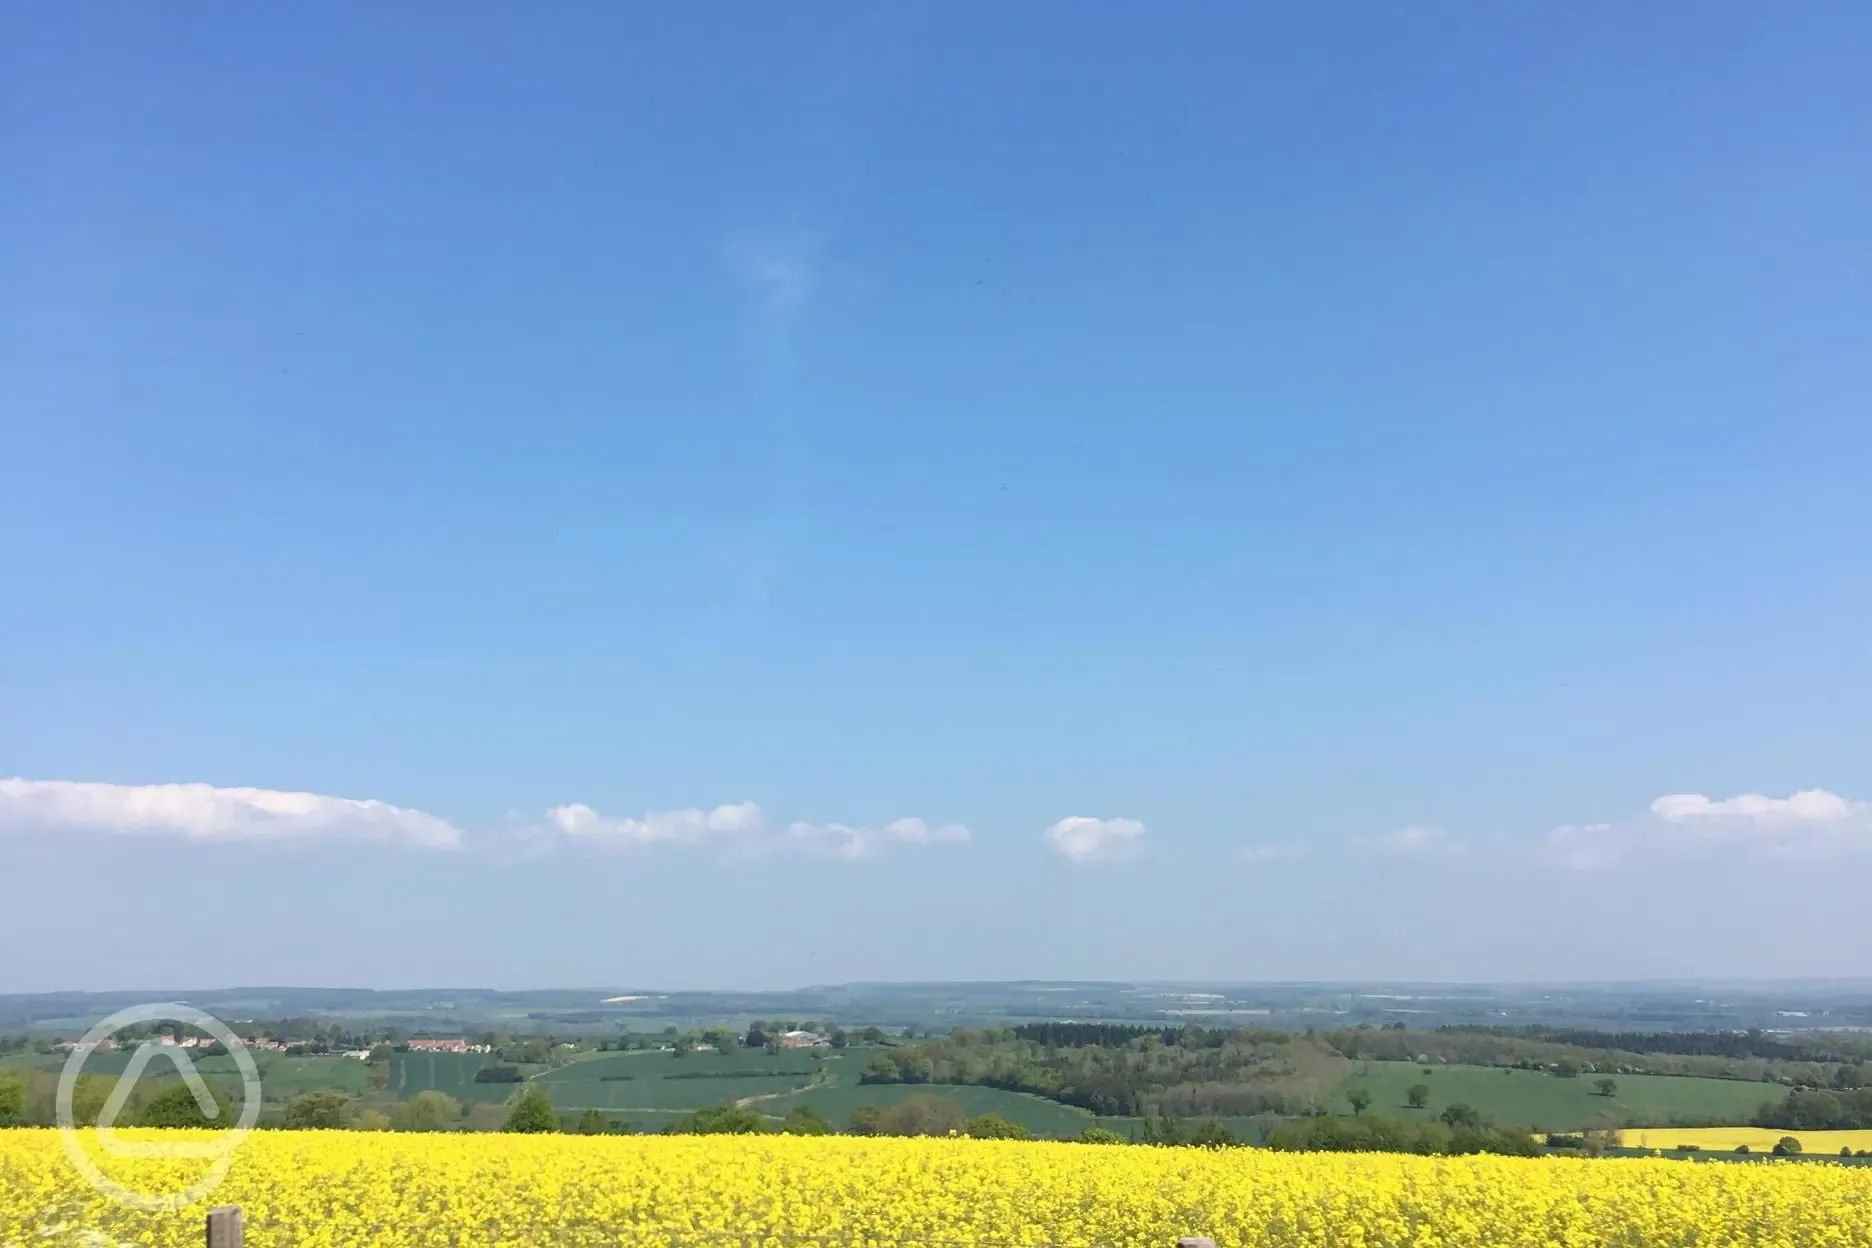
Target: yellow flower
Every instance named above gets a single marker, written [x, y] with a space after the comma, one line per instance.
[345, 1189]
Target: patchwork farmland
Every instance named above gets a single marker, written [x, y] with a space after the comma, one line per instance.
[1547, 1102]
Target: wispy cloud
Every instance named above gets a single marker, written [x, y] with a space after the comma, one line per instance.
[779, 272]
[1809, 823]
[742, 829]
[1415, 841]
[203, 812]
[1808, 809]
[1585, 846]
[1081, 839]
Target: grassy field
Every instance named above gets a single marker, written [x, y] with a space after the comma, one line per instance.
[31, 1061]
[1759, 1139]
[626, 1082]
[650, 1089]
[835, 1102]
[1550, 1103]
[283, 1078]
[451, 1073]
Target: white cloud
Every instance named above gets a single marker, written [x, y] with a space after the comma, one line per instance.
[1809, 806]
[202, 812]
[742, 829]
[1810, 822]
[780, 271]
[578, 822]
[1086, 840]
[1270, 853]
[1416, 841]
[1587, 846]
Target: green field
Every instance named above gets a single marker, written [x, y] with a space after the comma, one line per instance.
[836, 1101]
[662, 1082]
[32, 1061]
[282, 1078]
[1545, 1102]
[450, 1073]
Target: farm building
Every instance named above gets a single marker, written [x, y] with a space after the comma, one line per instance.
[456, 1045]
[801, 1040]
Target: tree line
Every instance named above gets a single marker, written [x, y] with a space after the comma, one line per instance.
[1204, 1071]
[1818, 1109]
[1787, 1047]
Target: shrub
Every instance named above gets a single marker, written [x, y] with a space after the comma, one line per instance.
[498, 1074]
[922, 1115]
[12, 1100]
[995, 1127]
[804, 1120]
[176, 1106]
[729, 1119]
[531, 1112]
[316, 1111]
[426, 1111]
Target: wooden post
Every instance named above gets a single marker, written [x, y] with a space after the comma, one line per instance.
[224, 1227]
[1195, 1241]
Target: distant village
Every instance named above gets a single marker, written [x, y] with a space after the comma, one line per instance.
[363, 1048]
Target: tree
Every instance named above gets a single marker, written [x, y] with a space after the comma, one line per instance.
[426, 1111]
[316, 1111]
[1417, 1095]
[804, 1120]
[371, 1120]
[176, 1106]
[531, 1111]
[1601, 1138]
[922, 1115]
[591, 1122]
[756, 1037]
[1606, 1087]
[995, 1127]
[1742, 1148]
[728, 1119]
[1210, 1133]
[89, 1093]
[1459, 1115]
[1787, 1146]
[1164, 1131]
[1100, 1135]
[12, 1100]
[1359, 1099]
[864, 1120]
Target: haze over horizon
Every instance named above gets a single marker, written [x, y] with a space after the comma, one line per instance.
[965, 493]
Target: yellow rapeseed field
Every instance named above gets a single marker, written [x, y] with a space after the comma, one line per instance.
[339, 1189]
[1759, 1139]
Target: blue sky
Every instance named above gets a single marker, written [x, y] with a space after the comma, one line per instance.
[1233, 492]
